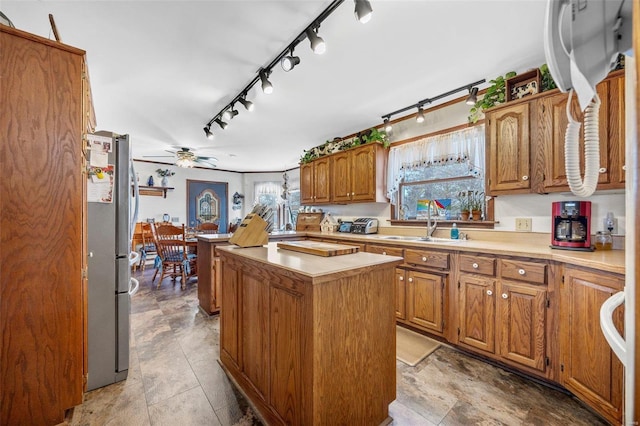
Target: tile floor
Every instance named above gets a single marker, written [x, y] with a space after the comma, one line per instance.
[174, 379]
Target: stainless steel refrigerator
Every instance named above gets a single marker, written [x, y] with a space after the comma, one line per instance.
[109, 240]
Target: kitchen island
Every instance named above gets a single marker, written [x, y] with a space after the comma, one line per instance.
[309, 339]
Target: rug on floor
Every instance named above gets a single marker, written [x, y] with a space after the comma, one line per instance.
[412, 347]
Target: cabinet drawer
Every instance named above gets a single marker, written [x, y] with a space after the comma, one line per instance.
[478, 265]
[432, 259]
[523, 271]
[389, 251]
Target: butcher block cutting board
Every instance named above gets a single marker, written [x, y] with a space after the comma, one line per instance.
[318, 248]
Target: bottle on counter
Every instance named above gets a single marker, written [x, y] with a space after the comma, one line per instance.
[604, 240]
[454, 231]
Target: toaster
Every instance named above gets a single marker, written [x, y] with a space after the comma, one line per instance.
[364, 225]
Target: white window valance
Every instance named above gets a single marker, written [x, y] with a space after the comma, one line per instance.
[461, 146]
[267, 188]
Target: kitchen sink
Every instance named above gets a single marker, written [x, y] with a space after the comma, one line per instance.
[407, 238]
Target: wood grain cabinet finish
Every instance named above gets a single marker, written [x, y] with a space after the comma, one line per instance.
[525, 141]
[209, 277]
[43, 284]
[425, 300]
[352, 176]
[296, 347]
[427, 258]
[589, 368]
[504, 313]
[400, 281]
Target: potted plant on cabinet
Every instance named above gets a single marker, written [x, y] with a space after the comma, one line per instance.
[465, 205]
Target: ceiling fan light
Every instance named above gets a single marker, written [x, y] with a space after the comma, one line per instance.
[221, 123]
[289, 62]
[317, 43]
[473, 96]
[248, 105]
[207, 131]
[363, 11]
[267, 87]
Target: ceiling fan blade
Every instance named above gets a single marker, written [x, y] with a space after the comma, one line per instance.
[205, 162]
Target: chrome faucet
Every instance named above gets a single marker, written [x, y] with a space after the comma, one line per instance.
[430, 227]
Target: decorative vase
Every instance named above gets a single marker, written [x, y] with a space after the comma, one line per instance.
[464, 215]
[475, 214]
[164, 181]
[150, 181]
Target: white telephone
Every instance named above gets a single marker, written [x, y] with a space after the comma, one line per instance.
[582, 39]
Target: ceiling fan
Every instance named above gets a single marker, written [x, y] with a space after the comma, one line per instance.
[186, 157]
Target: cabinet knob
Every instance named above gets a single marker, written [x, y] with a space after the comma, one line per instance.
[475, 266]
[505, 296]
[624, 167]
[424, 258]
[384, 253]
[353, 193]
[602, 170]
[525, 177]
[489, 293]
[521, 271]
[401, 278]
[410, 280]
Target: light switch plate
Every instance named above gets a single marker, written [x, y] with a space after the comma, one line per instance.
[523, 224]
[175, 219]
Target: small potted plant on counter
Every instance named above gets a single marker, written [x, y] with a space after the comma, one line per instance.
[465, 205]
[476, 202]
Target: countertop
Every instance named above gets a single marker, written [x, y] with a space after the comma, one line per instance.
[604, 260]
[307, 264]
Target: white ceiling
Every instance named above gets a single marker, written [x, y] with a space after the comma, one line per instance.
[160, 70]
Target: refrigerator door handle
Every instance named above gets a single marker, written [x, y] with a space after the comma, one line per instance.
[615, 340]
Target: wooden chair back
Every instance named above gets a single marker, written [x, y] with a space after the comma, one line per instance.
[171, 243]
[208, 228]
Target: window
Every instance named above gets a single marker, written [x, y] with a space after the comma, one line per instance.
[447, 168]
[268, 193]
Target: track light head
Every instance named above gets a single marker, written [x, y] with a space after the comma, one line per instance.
[233, 112]
[473, 96]
[267, 87]
[289, 62]
[248, 105]
[221, 123]
[226, 115]
[317, 43]
[387, 125]
[207, 131]
[420, 116]
[363, 11]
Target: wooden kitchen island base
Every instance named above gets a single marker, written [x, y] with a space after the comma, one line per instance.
[310, 340]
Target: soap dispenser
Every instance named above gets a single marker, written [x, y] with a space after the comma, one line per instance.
[454, 231]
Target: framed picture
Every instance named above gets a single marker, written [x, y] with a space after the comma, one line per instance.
[207, 203]
[523, 85]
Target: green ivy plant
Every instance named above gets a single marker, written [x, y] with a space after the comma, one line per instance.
[495, 94]
[375, 135]
[547, 82]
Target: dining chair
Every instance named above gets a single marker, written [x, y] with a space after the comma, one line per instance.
[175, 260]
[148, 244]
[207, 228]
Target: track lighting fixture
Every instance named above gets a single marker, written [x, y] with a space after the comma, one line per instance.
[387, 125]
[317, 43]
[233, 112]
[420, 116]
[289, 61]
[221, 123]
[363, 11]
[207, 131]
[472, 99]
[226, 115]
[267, 87]
[248, 105]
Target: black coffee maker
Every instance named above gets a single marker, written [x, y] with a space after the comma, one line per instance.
[571, 225]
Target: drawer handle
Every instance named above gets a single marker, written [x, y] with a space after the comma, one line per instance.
[401, 278]
[525, 177]
[489, 293]
[384, 253]
[410, 280]
[424, 258]
[602, 170]
[475, 266]
[505, 296]
[521, 271]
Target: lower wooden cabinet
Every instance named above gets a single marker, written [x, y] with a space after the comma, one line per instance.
[209, 280]
[425, 300]
[477, 306]
[589, 368]
[401, 292]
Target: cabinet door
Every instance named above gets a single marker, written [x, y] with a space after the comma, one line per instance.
[306, 184]
[425, 300]
[230, 332]
[551, 126]
[363, 173]
[322, 176]
[589, 368]
[617, 131]
[521, 323]
[508, 158]
[400, 294]
[341, 177]
[477, 312]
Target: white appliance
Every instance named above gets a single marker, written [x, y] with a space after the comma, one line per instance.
[582, 39]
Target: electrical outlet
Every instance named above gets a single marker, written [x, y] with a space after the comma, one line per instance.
[523, 224]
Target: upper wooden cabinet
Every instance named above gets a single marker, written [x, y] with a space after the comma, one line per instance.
[352, 176]
[314, 182]
[525, 141]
